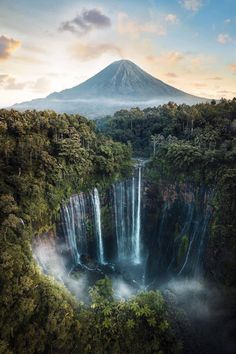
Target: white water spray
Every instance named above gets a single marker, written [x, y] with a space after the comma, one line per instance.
[98, 226]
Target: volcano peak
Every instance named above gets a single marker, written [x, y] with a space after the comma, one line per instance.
[120, 85]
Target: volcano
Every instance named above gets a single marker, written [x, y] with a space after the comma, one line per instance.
[121, 85]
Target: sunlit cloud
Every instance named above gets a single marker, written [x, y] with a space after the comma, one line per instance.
[174, 57]
[215, 78]
[197, 60]
[233, 68]
[227, 92]
[41, 84]
[191, 5]
[199, 84]
[8, 82]
[171, 18]
[224, 38]
[8, 46]
[86, 21]
[171, 75]
[135, 28]
[168, 58]
[90, 51]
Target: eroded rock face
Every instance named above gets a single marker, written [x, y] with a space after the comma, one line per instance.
[176, 220]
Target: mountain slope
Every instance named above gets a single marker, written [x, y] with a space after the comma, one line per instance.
[120, 79]
[121, 85]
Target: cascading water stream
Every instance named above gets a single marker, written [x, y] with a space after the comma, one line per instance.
[97, 221]
[136, 235]
[74, 225]
[127, 215]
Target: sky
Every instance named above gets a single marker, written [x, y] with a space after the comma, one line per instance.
[49, 45]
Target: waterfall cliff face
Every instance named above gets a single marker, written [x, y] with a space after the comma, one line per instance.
[178, 232]
[160, 230]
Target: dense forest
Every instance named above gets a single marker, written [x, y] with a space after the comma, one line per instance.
[46, 158]
[207, 126]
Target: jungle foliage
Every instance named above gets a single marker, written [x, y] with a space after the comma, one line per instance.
[45, 158]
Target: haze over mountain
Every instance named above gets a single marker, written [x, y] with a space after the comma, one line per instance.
[120, 85]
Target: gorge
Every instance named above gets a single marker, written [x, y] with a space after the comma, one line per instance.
[125, 232]
[101, 253]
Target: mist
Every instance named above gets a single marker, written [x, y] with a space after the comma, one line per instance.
[99, 107]
[52, 263]
[208, 310]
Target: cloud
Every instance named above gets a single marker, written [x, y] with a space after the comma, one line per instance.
[171, 18]
[216, 78]
[135, 28]
[227, 92]
[199, 84]
[224, 38]
[233, 68]
[86, 21]
[41, 84]
[168, 58]
[175, 57]
[172, 75]
[8, 46]
[8, 82]
[191, 5]
[86, 51]
[197, 60]
[228, 20]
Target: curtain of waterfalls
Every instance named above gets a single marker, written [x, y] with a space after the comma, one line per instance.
[176, 247]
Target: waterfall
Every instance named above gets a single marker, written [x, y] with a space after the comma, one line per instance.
[74, 226]
[97, 223]
[75, 215]
[120, 221]
[133, 207]
[175, 247]
[136, 235]
[127, 215]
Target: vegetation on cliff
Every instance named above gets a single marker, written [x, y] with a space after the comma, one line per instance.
[45, 158]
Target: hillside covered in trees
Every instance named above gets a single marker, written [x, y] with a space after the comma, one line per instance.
[45, 158]
[207, 126]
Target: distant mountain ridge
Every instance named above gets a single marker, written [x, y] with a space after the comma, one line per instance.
[121, 84]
